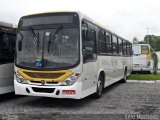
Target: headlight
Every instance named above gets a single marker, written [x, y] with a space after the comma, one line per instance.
[71, 80]
[20, 79]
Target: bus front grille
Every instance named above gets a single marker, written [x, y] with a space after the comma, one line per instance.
[44, 75]
[51, 77]
[43, 90]
[46, 82]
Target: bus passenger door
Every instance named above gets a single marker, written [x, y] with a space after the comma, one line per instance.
[89, 58]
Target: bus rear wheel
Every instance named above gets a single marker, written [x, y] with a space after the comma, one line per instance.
[100, 87]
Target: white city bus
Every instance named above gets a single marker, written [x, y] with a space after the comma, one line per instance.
[144, 58]
[7, 47]
[66, 55]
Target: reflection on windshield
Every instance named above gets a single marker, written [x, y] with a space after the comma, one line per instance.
[64, 50]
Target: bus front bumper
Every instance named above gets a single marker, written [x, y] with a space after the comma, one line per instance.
[72, 92]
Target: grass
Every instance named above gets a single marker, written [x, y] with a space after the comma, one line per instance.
[144, 77]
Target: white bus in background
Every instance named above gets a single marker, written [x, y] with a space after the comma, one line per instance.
[67, 55]
[144, 58]
[7, 47]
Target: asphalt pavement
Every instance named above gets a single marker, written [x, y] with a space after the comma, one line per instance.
[120, 101]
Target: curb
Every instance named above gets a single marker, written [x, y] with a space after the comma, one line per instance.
[143, 81]
[132, 81]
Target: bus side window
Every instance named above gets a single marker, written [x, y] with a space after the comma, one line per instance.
[128, 49]
[124, 48]
[89, 44]
[109, 43]
[101, 42]
[131, 53]
[115, 45]
[120, 46]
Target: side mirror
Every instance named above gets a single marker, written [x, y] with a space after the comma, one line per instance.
[20, 45]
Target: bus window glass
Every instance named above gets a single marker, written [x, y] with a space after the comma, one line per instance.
[61, 51]
[136, 49]
[145, 49]
[131, 49]
[115, 45]
[120, 46]
[128, 48]
[109, 43]
[124, 48]
[102, 41]
[89, 45]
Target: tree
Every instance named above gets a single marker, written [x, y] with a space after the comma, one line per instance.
[153, 40]
[135, 40]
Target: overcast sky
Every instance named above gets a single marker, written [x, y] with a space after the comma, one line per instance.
[128, 18]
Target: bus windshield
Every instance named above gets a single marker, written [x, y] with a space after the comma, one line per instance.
[54, 49]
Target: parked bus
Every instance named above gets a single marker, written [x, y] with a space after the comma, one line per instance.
[7, 48]
[144, 58]
[67, 55]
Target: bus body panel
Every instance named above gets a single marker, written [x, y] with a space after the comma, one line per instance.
[114, 67]
[6, 78]
[20, 89]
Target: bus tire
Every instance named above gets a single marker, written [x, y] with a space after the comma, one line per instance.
[100, 87]
[125, 77]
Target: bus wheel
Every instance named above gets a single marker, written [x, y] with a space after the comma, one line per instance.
[124, 78]
[100, 87]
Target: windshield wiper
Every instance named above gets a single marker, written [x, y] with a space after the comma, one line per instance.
[35, 37]
[54, 36]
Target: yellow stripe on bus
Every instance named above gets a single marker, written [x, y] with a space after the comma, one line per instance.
[31, 75]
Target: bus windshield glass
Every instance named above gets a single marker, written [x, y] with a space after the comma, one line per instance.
[145, 50]
[53, 48]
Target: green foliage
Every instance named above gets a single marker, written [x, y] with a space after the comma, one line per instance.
[144, 77]
[135, 40]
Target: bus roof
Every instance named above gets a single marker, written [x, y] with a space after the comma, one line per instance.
[4, 24]
[142, 44]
